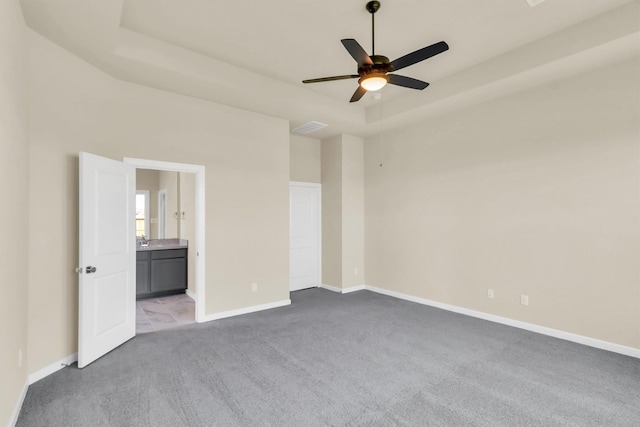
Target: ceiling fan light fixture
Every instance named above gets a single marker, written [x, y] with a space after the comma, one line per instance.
[373, 82]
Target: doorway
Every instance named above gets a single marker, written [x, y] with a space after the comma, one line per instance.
[197, 247]
[107, 250]
[156, 314]
[305, 235]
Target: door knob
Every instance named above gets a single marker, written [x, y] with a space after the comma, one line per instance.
[91, 269]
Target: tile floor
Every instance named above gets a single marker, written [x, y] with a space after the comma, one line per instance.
[154, 314]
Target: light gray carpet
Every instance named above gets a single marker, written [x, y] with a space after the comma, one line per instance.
[343, 360]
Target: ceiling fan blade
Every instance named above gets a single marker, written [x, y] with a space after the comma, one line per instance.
[418, 55]
[357, 52]
[329, 79]
[409, 82]
[359, 93]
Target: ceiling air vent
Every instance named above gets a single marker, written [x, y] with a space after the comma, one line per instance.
[309, 127]
[534, 2]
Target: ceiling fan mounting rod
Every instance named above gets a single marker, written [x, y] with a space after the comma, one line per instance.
[372, 8]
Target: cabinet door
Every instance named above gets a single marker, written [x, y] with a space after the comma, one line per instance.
[142, 278]
[168, 274]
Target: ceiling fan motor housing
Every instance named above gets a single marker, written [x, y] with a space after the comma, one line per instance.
[380, 66]
[378, 69]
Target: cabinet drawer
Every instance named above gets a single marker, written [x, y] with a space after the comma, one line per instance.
[142, 255]
[169, 253]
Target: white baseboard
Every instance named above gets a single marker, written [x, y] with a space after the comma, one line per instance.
[343, 290]
[190, 294]
[567, 336]
[16, 410]
[330, 288]
[247, 310]
[353, 289]
[54, 367]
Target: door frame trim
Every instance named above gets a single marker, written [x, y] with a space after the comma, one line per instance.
[319, 187]
[199, 171]
[162, 214]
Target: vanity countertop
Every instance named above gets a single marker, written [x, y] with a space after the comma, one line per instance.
[162, 244]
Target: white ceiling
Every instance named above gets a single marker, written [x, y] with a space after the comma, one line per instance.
[253, 55]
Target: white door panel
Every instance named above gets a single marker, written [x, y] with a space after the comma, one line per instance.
[107, 243]
[110, 303]
[305, 226]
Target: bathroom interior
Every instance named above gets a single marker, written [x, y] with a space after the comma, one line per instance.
[165, 273]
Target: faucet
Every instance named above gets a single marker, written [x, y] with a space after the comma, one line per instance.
[143, 241]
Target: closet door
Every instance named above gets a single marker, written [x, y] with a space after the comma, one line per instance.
[305, 229]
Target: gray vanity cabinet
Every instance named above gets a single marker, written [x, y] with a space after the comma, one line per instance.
[143, 277]
[162, 272]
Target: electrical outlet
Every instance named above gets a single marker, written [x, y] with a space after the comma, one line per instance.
[254, 287]
[490, 294]
[20, 358]
[355, 271]
[524, 299]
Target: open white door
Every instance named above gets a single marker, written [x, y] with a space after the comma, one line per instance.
[305, 229]
[107, 256]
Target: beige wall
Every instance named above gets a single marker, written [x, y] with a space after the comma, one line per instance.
[147, 179]
[343, 211]
[352, 211]
[304, 154]
[14, 192]
[75, 107]
[331, 151]
[536, 193]
[168, 180]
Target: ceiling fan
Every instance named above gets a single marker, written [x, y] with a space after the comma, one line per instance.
[373, 70]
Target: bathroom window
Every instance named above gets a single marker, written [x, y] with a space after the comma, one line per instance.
[142, 213]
